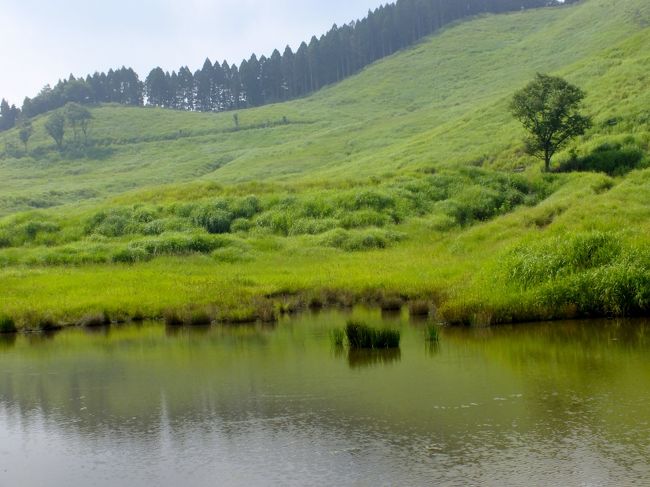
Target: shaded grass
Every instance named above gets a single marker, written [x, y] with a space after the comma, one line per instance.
[7, 325]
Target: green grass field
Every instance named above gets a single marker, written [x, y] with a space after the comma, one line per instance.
[398, 183]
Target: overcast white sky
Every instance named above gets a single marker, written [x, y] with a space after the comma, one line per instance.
[42, 41]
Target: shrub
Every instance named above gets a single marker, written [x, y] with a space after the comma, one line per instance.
[277, 221]
[33, 228]
[246, 207]
[5, 239]
[214, 219]
[370, 199]
[113, 226]
[144, 215]
[240, 225]
[318, 207]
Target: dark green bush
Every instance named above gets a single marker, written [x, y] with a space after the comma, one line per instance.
[368, 199]
[114, 223]
[213, 218]
[33, 228]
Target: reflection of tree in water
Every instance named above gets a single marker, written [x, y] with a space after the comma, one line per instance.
[369, 358]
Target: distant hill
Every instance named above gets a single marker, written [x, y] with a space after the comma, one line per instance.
[439, 103]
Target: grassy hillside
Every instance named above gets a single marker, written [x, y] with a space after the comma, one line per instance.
[397, 183]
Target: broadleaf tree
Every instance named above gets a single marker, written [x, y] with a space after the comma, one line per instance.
[549, 109]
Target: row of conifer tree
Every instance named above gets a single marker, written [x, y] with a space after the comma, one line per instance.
[334, 56]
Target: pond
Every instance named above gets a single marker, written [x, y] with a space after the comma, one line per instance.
[545, 404]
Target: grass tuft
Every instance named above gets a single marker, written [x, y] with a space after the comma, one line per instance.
[362, 336]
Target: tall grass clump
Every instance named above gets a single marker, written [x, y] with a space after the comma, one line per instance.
[535, 263]
[337, 337]
[362, 336]
[432, 333]
[7, 325]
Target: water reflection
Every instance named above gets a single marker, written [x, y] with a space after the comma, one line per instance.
[558, 404]
[358, 359]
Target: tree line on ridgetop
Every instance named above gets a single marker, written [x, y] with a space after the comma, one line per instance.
[334, 56]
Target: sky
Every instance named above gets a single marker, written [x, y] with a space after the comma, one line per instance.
[42, 41]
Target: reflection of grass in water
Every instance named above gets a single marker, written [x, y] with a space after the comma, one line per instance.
[433, 348]
[368, 358]
[7, 341]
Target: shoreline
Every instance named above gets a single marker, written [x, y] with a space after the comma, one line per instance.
[270, 309]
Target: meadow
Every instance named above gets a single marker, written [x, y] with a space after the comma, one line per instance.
[405, 183]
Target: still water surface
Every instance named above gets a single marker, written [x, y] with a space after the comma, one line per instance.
[552, 404]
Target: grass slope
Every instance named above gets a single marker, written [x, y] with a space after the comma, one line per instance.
[396, 183]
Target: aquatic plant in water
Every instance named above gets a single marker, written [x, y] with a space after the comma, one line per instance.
[362, 336]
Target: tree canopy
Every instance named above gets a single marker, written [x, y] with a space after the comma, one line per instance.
[549, 109]
[55, 127]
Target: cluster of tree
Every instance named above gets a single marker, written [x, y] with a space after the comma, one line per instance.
[73, 116]
[117, 86]
[334, 56]
[8, 115]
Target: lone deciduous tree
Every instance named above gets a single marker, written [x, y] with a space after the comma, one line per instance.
[55, 127]
[548, 107]
[25, 132]
[79, 117]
